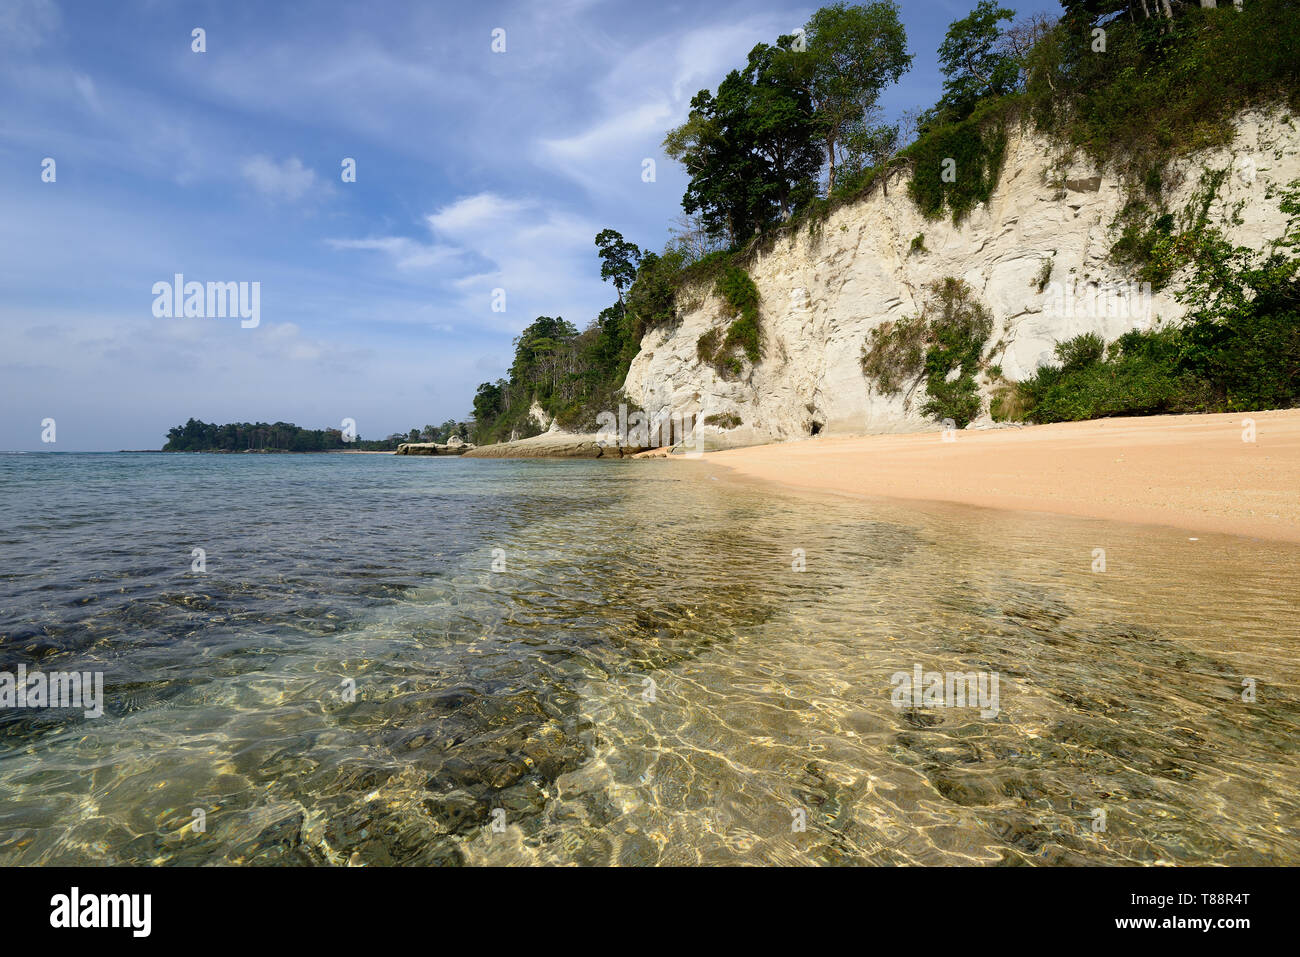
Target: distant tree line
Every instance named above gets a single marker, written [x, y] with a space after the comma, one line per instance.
[199, 436]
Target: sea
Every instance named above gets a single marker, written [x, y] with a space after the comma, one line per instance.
[348, 659]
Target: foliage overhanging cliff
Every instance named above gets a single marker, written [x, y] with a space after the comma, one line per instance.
[795, 136]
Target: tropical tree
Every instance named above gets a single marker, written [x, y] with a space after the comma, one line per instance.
[750, 149]
[975, 61]
[853, 53]
[618, 259]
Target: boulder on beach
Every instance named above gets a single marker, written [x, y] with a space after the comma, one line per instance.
[454, 446]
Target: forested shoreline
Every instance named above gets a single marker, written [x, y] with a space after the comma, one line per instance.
[199, 436]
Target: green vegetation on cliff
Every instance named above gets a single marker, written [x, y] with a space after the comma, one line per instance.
[1237, 350]
[942, 347]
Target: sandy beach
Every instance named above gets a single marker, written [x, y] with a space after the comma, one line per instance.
[1196, 472]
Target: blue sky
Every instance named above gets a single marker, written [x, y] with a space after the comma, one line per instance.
[475, 171]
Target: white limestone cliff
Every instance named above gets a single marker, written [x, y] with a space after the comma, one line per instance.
[823, 291]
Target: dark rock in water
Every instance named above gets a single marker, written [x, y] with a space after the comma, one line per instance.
[371, 854]
[966, 790]
[502, 774]
[637, 850]
[918, 718]
[521, 802]
[460, 772]
[453, 699]
[279, 843]
[457, 811]
[550, 753]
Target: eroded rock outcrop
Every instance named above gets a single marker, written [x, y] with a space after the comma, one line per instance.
[453, 446]
[557, 445]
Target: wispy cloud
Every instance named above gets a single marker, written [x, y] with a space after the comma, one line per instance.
[540, 255]
[405, 252]
[645, 90]
[86, 87]
[288, 180]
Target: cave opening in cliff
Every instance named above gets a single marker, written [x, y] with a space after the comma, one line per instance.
[815, 428]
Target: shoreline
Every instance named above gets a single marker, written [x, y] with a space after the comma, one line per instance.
[1194, 472]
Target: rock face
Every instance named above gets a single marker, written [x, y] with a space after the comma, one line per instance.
[824, 290]
[544, 421]
[454, 446]
[556, 445]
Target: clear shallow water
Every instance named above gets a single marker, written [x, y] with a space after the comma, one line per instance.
[506, 717]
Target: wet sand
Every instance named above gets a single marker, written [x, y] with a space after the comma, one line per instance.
[1195, 472]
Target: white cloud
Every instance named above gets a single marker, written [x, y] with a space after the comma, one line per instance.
[646, 91]
[543, 256]
[290, 180]
[406, 253]
[472, 213]
[641, 124]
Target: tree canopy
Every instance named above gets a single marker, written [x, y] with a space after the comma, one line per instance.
[853, 53]
[750, 148]
[618, 259]
[974, 61]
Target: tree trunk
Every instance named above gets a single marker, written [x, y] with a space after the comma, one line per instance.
[830, 159]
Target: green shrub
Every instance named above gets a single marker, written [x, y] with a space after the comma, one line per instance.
[976, 145]
[1044, 275]
[726, 420]
[1131, 381]
[958, 332]
[1080, 352]
[734, 287]
[1155, 246]
[1238, 349]
[947, 339]
[706, 269]
[1163, 89]
[1242, 333]
[896, 354]
[652, 299]
[707, 345]
[1145, 244]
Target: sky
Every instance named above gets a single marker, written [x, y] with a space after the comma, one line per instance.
[476, 170]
